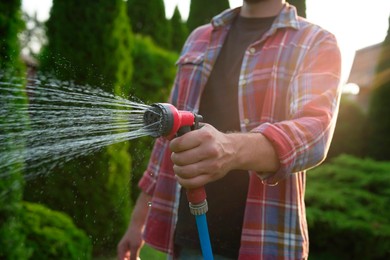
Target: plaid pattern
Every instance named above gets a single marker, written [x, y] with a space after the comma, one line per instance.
[298, 72]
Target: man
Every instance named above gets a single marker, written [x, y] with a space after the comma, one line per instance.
[267, 84]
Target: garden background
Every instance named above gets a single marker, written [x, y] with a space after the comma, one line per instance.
[129, 48]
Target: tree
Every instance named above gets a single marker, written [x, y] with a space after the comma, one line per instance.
[300, 5]
[179, 31]
[148, 18]
[90, 42]
[12, 238]
[152, 84]
[378, 125]
[202, 11]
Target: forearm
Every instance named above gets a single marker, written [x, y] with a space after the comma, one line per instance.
[140, 211]
[254, 152]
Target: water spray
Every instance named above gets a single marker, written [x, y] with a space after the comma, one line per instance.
[163, 119]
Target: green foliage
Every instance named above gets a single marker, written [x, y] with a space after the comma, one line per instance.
[94, 191]
[155, 73]
[11, 25]
[179, 31]
[378, 123]
[90, 42]
[347, 209]
[378, 126]
[53, 235]
[202, 11]
[148, 18]
[348, 137]
[12, 238]
[148, 252]
[300, 5]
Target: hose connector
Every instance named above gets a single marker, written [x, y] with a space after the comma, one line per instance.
[198, 209]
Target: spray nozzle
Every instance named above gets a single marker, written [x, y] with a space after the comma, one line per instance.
[163, 119]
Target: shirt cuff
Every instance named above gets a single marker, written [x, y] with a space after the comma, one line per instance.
[284, 150]
[147, 183]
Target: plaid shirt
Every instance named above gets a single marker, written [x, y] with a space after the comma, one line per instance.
[296, 66]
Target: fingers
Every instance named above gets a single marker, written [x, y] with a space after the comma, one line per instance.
[191, 139]
[200, 157]
[192, 182]
[129, 247]
[123, 251]
[197, 175]
[193, 147]
[187, 157]
[135, 251]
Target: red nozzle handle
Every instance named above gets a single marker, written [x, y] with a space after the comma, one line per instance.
[196, 196]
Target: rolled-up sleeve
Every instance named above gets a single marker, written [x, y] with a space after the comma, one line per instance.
[302, 140]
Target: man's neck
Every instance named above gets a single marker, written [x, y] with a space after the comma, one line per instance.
[265, 8]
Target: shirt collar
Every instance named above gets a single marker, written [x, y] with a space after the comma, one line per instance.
[287, 17]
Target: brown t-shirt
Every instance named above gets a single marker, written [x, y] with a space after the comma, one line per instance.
[219, 107]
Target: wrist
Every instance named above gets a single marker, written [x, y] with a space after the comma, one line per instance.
[140, 210]
[253, 152]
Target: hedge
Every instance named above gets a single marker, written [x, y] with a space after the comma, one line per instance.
[347, 209]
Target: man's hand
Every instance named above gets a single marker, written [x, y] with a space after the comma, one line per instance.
[131, 243]
[206, 155]
[202, 156]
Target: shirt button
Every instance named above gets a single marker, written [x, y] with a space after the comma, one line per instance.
[252, 50]
[246, 121]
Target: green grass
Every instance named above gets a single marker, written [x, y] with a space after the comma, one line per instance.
[148, 252]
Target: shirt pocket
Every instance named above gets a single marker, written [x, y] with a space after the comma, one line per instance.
[193, 58]
[189, 77]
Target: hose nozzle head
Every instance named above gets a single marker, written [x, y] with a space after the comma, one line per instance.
[163, 119]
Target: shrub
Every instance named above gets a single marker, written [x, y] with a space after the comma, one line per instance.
[90, 43]
[53, 235]
[155, 71]
[200, 15]
[347, 209]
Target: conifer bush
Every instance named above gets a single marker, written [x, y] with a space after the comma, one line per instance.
[12, 238]
[199, 15]
[90, 43]
[347, 209]
[155, 71]
[53, 235]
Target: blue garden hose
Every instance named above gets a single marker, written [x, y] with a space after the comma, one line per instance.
[198, 208]
[201, 223]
